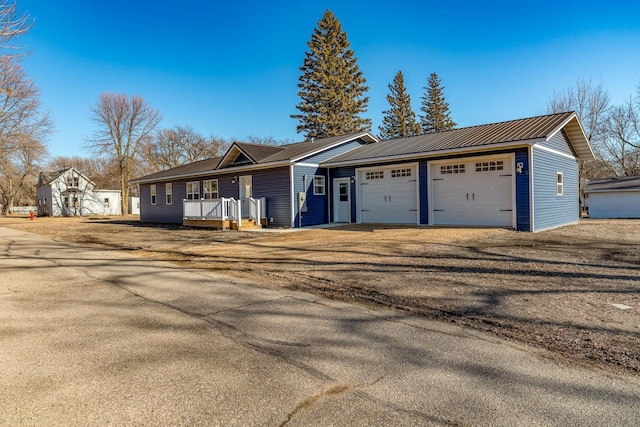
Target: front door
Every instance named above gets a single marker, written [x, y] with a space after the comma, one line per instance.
[245, 193]
[341, 200]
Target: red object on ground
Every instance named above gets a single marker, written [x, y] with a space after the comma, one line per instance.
[31, 215]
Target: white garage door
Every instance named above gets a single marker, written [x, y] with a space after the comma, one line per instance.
[389, 195]
[473, 192]
[614, 205]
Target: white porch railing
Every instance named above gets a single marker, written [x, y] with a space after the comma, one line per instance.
[224, 208]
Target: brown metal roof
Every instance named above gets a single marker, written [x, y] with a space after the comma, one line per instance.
[531, 129]
[258, 152]
[300, 150]
[196, 168]
[625, 183]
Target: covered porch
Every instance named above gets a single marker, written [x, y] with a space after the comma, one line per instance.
[226, 213]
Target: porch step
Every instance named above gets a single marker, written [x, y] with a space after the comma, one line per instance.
[247, 224]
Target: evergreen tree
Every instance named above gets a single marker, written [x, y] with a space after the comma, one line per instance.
[399, 120]
[436, 110]
[331, 85]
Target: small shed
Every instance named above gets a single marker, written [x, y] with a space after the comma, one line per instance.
[614, 197]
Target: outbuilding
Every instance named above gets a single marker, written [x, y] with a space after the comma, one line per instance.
[615, 197]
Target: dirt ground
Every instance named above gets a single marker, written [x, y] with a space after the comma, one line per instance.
[555, 290]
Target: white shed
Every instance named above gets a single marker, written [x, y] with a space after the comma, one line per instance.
[614, 197]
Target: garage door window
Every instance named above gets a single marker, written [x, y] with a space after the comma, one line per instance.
[399, 173]
[451, 169]
[374, 175]
[490, 166]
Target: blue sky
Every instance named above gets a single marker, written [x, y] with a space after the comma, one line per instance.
[230, 69]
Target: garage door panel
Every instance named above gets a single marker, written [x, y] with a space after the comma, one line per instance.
[473, 192]
[388, 195]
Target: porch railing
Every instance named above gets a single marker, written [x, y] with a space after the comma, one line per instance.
[225, 208]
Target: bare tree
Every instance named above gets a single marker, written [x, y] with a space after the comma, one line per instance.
[621, 143]
[177, 146]
[12, 26]
[590, 101]
[124, 124]
[23, 130]
[18, 173]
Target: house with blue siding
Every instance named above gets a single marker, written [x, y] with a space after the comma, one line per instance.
[520, 174]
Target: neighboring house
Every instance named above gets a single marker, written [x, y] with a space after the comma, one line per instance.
[69, 193]
[613, 197]
[520, 174]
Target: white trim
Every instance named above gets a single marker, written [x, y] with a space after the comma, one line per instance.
[358, 171]
[551, 150]
[560, 183]
[311, 165]
[153, 198]
[167, 186]
[324, 185]
[425, 155]
[333, 195]
[362, 135]
[292, 196]
[532, 217]
[562, 125]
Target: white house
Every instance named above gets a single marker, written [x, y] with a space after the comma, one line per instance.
[69, 193]
[613, 197]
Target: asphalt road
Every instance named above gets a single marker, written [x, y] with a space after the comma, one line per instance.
[96, 337]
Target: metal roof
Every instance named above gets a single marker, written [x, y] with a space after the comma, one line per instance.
[527, 131]
[261, 155]
[192, 169]
[625, 183]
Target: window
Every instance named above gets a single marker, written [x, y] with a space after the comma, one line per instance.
[490, 166]
[193, 190]
[318, 185]
[451, 169]
[210, 189]
[559, 184]
[398, 173]
[168, 193]
[66, 202]
[374, 175]
[153, 194]
[344, 192]
[106, 202]
[72, 181]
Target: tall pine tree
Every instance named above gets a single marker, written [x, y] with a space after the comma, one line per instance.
[332, 87]
[399, 120]
[436, 110]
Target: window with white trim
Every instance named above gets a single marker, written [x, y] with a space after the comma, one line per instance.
[193, 190]
[399, 173]
[168, 193]
[210, 189]
[490, 166]
[559, 184]
[66, 202]
[451, 169]
[153, 194]
[106, 202]
[374, 175]
[318, 185]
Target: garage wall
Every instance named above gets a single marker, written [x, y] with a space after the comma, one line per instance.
[316, 204]
[549, 209]
[523, 191]
[614, 204]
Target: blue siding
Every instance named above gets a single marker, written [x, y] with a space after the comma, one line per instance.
[559, 142]
[549, 209]
[424, 192]
[316, 204]
[344, 172]
[273, 184]
[333, 152]
[523, 196]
